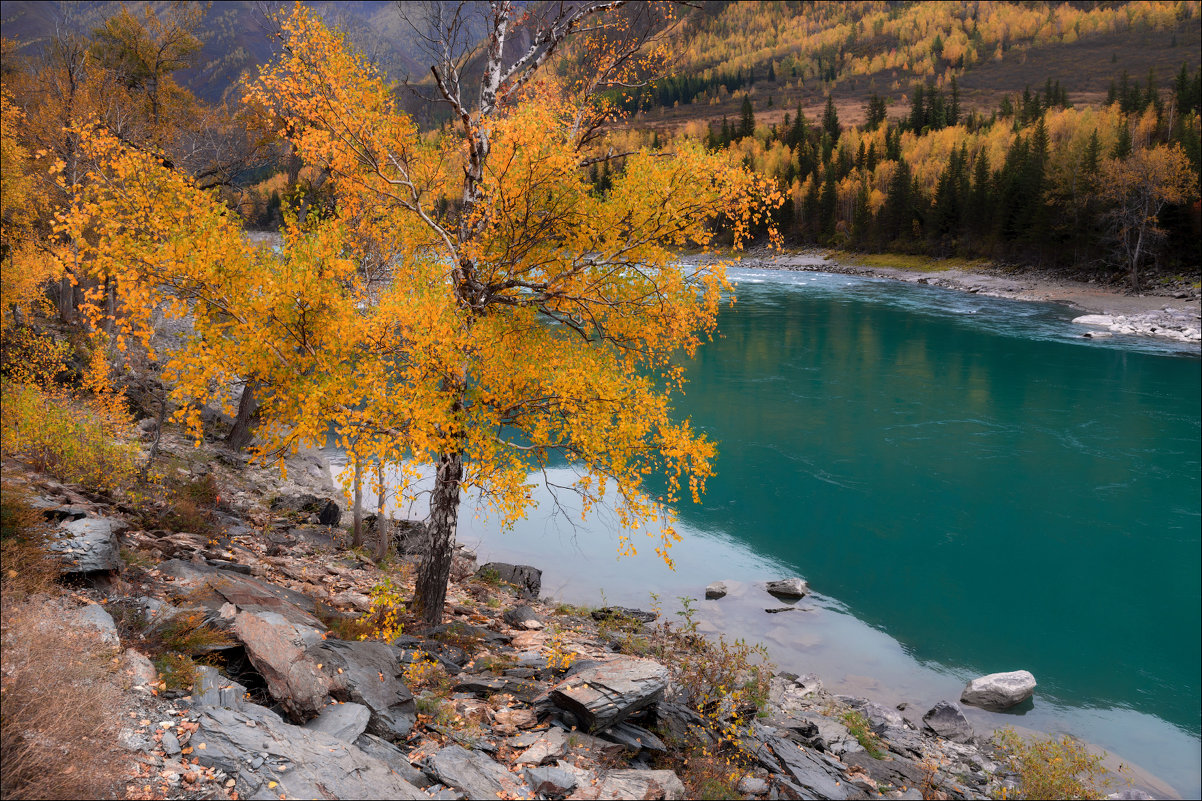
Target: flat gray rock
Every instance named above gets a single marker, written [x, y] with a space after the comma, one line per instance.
[551, 781]
[810, 770]
[947, 720]
[96, 617]
[999, 691]
[89, 545]
[344, 721]
[523, 617]
[788, 588]
[213, 689]
[302, 762]
[645, 784]
[636, 738]
[369, 673]
[476, 774]
[395, 758]
[603, 695]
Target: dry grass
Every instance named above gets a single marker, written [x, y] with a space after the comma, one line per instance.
[60, 705]
[28, 570]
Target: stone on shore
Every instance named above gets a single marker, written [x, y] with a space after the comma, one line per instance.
[947, 720]
[1103, 320]
[999, 691]
[603, 695]
[523, 617]
[718, 589]
[528, 580]
[788, 588]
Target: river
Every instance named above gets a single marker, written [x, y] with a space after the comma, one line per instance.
[967, 484]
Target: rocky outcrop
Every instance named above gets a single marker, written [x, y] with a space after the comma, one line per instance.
[476, 774]
[89, 545]
[527, 579]
[603, 695]
[369, 673]
[277, 648]
[1182, 326]
[999, 691]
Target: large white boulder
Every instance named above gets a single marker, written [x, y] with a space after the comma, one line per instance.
[999, 690]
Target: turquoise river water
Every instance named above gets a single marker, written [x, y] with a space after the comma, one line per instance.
[967, 485]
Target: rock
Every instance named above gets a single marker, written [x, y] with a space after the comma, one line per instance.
[776, 610]
[394, 757]
[170, 743]
[353, 599]
[371, 674]
[608, 612]
[548, 747]
[276, 648]
[475, 774]
[1103, 320]
[815, 774]
[213, 689]
[999, 691]
[550, 781]
[644, 784]
[716, 590]
[946, 720]
[97, 618]
[344, 721]
[523, 617]
[528, 580]
[881, 717]
[895, 772]
[752, 785]
[635, 738]
[1131, 794]
[213, 588]
[302, 762]
[139, 668]
[89, 545]
[788, 588]
[606, 694]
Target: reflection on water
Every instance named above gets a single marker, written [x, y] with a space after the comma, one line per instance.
[968, 486]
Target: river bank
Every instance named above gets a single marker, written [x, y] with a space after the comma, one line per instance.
[515, 694]
[1173, 312]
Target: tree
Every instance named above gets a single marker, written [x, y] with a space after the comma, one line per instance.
[830, 120]
[534, 318]
[746, 119]
[1138, 188]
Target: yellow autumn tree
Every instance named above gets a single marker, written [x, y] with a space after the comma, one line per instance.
[1138, 188]
[534, 319]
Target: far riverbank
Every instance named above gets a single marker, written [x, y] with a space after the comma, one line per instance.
[1172, 314]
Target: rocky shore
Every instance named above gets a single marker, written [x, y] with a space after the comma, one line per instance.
[1171, 311]
[514, 696]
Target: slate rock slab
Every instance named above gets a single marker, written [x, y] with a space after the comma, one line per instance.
[813, 772]
[605, 694]
[947, 720]
[635, 738]
[476, 774]
[302, 762]
[622, 784]
[528, 580]
[89, 545]
[551, 781]
[371, 674]
[999, 691]
[394, 757]
[276, 647]
[214, 587]
[788, 588]
[344, 721]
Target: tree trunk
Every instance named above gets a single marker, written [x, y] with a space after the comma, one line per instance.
[383, 529]
[243, 427]
[435, 569]
[357, 525]
[66, 299]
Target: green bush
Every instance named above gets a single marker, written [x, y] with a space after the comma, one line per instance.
[1051, 767]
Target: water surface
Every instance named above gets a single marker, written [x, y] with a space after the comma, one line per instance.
[967, 484]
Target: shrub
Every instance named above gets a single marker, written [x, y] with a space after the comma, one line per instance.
[1051, 767]
[859, 727]
[73, 440]
[28, 569]
[61, 706]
